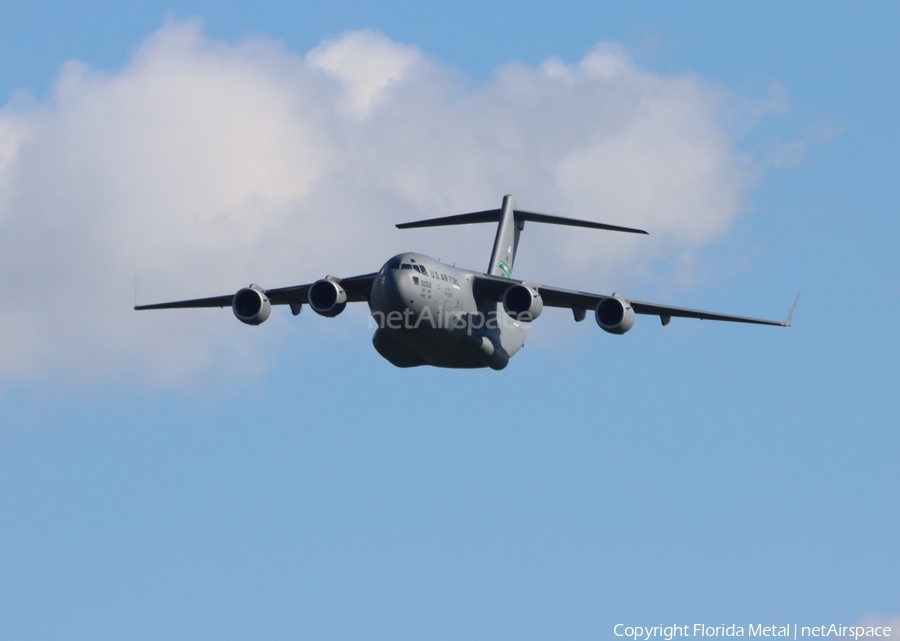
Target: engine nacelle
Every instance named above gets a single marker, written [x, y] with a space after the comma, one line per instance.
[327, 298]
[251, 305]
[614, 315]
[522, 303]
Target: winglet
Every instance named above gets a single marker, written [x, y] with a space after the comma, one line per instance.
[790, 317]
[137, 294]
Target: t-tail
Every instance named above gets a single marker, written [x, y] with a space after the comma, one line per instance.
[511, 222]
[507, 241]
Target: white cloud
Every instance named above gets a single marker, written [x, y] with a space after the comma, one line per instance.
[202, 165]
[365, 64]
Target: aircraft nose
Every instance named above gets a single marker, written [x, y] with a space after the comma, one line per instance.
[387, 292]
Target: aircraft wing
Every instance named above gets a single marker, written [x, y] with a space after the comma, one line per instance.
[579, 302]
[357, 288]
[214, 301]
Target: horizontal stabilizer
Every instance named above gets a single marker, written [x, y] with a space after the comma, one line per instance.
[493, 216]
[572, 222]
[487, 216]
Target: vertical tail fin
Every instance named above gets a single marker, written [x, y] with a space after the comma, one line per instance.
[507, 241]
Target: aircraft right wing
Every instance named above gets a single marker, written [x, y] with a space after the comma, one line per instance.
[555, 297]
[580, 302]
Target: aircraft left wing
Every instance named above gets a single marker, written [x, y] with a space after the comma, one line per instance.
[580, 302]
[357, 288]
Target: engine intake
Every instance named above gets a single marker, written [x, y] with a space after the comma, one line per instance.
[614, 315]
[327, 298]
[522, 303]
[251, 305]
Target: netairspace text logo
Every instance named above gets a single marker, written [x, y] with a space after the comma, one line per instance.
[472, 322]
[789, 631]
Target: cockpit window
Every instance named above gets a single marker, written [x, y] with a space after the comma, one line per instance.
[405, 266]
[393, 263]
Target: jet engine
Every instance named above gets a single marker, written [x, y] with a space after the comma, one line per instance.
[523, 303]
[251, 305]
[614, 315]
[327, 298]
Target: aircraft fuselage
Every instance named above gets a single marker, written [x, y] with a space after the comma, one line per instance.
[429, 313]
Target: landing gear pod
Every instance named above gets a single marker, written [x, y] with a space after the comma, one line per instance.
[327, 297]
[614, 315]
[522, 303]
[251, 305]
[488, 353]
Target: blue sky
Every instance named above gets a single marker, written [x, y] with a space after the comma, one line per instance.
[181, 475]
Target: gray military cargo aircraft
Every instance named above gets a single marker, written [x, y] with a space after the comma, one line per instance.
[429, 313]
